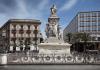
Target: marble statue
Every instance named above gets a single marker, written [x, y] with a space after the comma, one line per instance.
[53, 43]
[53, 10]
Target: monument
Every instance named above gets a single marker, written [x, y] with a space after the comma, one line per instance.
[52, 51]
[54, 43]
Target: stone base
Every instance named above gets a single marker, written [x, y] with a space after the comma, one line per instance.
[54, 48]
[54, 40]
[4, 59]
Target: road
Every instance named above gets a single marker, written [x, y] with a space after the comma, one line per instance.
[50, 67]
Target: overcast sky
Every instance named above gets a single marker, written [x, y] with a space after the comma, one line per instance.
[40, 9]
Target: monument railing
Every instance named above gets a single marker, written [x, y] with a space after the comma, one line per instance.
[34, 58]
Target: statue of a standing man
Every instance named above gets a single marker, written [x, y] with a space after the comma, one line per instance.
[53, 10]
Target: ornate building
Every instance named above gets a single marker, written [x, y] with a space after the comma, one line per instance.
[20, 32]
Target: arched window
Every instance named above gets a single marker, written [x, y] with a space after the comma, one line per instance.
[25, 27]
[18, 27]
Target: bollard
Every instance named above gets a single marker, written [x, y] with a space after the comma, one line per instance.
[4, 59]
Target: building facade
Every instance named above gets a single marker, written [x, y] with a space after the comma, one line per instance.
[19, 32]
[88, 22]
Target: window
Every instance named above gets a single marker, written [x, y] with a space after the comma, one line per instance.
[94, 14]
[94, 28]
[98, 23]
[99, 18]
[98, 28]
[81, 29]
[99, 14]
[81, 24]
[94, 19]
[32, 27]
[81, 14]
[25, 27]
[94, 24]
[18, 27]
[88, 24]
[81, 19]
[88, 15]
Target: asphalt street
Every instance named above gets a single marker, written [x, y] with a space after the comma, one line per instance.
[50, 67]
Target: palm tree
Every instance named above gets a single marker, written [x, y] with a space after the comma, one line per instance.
[79, 39]
[76, 37]
[82, 37]
[85, 37]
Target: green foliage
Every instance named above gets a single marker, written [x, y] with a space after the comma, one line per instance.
[78, 37]
[69, 36]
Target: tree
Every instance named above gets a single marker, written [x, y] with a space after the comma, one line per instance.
[85, 37]
[79, 40]
[81, 37]
[69, 36]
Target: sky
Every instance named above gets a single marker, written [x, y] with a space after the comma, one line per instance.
[40, 10]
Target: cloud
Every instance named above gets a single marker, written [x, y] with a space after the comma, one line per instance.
[24, 9]
[35, 12]
[43, 4]
[7, 6]
[68, 5]
[3, 19]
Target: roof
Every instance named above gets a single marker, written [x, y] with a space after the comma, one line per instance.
[22, 21]
[88, 11]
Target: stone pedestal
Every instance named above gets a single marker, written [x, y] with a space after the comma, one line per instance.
[4, 59]
[54, 40]
[54, 46]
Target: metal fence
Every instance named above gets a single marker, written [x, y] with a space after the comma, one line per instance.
[34, 58]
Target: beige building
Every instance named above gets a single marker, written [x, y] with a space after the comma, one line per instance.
[19, 32]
